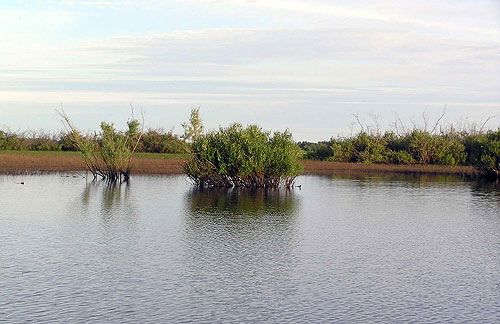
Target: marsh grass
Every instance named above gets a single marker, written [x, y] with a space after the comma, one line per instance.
[316, 167]
[56, 161]
[166, 164]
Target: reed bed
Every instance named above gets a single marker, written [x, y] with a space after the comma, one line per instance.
[331, 168]
[167, 164]
[19, 162]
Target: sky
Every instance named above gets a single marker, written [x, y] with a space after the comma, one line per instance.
[308, 66]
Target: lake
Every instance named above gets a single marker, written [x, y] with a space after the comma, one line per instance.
[339, 250]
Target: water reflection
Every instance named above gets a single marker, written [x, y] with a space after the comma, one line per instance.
[415, 180]
[240, 244]
[487, 187]
[111, 201]
[486, 195]
[240, 201]
[355, 250]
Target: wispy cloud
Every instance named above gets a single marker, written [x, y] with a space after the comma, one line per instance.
[113, 4]
[333, 59]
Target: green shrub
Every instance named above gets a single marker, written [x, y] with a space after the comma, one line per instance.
[316, 151]
[343, 151]
[363, 148]
[244, 157]
[32, 141]
[109, 153]
[400, 157]
[66, 143]
[370, 149]
[490, 155]
[159, 141]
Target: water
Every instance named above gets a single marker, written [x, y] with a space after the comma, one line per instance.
[346, 250]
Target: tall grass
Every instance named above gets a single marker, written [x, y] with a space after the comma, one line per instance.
[243, 157]
[19, 162]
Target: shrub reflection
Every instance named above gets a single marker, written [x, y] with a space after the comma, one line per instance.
[241, 201]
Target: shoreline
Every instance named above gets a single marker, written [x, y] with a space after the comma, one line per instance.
[343, 168]
[19, 162]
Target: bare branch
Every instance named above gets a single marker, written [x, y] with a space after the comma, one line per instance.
[439, 119]
[426, 121]
[376, 123]
[356, 115]
[485, 122]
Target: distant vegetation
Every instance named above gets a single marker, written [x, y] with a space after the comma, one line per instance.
[152, 141]
[419, 146]
[251, 157]
[244, 157]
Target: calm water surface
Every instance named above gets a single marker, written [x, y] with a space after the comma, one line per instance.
[366, 250]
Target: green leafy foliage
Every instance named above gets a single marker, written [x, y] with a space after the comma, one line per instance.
[316, 151]
[159, 141]
[109, 153]
[362, 148]
[489, 160]
[244, 157]
[478, 149]
[152, 141]
[32, 141]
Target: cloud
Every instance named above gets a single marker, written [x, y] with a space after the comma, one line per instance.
[15, 21]
[471, 17]
[111, 4]
[378, 63]
[478, 17]
[248, 44]
[345, 54]
[333, 60]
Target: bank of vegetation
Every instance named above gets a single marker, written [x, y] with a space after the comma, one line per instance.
[153, 140]
[414, 146]
[249, 156]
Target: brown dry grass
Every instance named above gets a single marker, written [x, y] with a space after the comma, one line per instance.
[21, 162]
[17, 162]
[157, 166]
[332, 168]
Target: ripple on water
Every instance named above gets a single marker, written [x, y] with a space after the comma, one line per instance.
[378, 250]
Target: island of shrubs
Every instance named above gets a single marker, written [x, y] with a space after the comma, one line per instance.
[239, 156]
